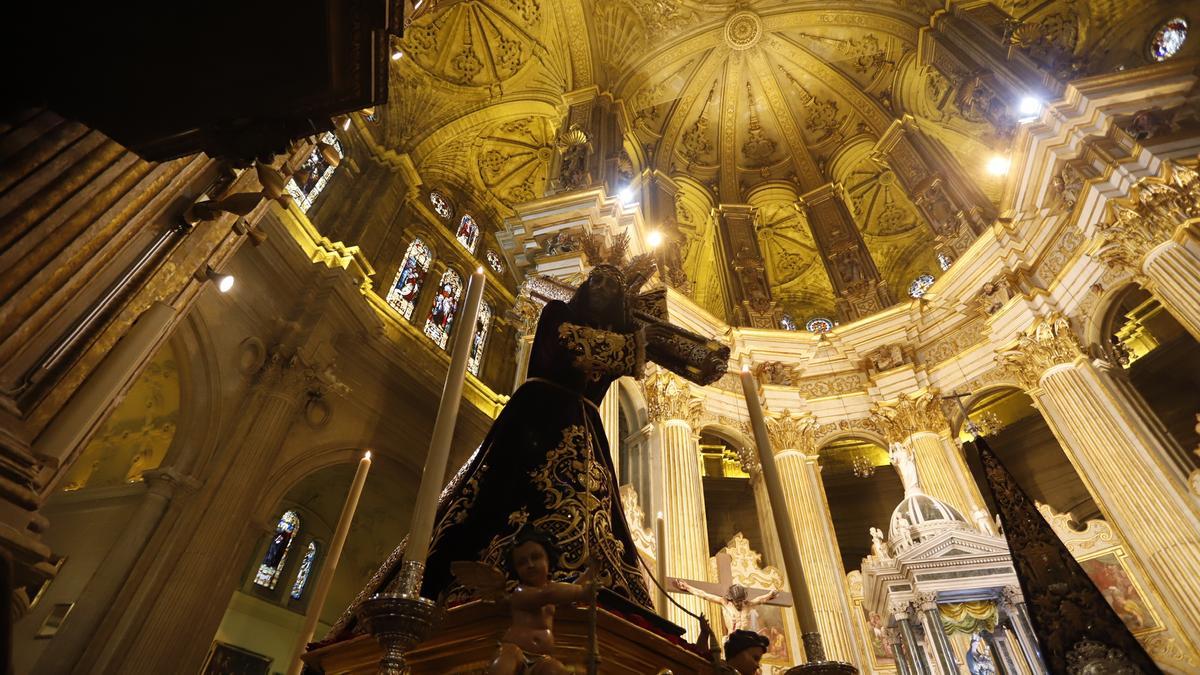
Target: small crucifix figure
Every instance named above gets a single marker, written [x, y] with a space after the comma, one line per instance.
[736, 601]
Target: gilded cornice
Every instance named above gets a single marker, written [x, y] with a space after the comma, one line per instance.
[908, 415]
[1049, 342]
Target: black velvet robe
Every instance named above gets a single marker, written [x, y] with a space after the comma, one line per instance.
[530, 468]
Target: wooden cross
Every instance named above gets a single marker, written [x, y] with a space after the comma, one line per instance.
[725, 580]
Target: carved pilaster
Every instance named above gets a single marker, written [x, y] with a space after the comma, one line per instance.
[856, 281]
[748, 287]
[953, 206]
[1049, 342]
[908, 415]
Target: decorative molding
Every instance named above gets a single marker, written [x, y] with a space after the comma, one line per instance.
[792, 432]
[669, 397]
[635, 519]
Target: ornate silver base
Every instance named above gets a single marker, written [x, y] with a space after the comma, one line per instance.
[399, 620]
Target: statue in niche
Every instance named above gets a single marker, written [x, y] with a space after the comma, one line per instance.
[527, 646]
[850, 268]
[574, 146]
[904, 532]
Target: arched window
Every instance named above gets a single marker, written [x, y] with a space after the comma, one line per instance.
[441, 315]
[441, 205]
[305, 569]
[468, 233]
[281, 543]
[786, 322]
[495, 261]
[479, 340]
[819, 324]
[920, 285]
[409, 278]
[314, 173]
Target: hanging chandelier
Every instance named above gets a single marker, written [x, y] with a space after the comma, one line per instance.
[985, 424]
[862, 465]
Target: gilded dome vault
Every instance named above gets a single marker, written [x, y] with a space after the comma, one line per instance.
[755, 102]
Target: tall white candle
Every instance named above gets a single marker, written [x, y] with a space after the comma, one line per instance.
[783, 520]
[443, 428]
[660, 562]
[329, 565]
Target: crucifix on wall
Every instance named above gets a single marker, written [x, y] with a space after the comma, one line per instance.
[736, 601]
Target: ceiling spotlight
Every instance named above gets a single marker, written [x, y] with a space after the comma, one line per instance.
[654, 238]
[998, 165]
[397, 55]
[224, 282]
[625, 195]
[1029, 107]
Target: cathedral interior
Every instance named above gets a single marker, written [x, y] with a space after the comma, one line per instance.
[912, 222]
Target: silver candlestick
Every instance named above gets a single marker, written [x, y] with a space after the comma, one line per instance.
[399, 620]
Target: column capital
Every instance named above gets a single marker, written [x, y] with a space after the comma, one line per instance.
[1156, 206]
[787, 431]
[669, 397]
[1048, 342]
[927, 601]
[1012, 595]
[908, 415]
[900, 610]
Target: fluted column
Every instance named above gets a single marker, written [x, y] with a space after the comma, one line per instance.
[668, 400]
[1131, 466]
[1155, 234]
[1014, 601]
[812, 524]
[917, 421]
[932, 618]
[916, 656]
[191, 600]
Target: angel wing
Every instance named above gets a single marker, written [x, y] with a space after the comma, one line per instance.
[484, 578]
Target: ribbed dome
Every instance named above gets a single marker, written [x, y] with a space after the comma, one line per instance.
[926, 516]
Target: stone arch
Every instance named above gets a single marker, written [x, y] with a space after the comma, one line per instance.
[857, 504]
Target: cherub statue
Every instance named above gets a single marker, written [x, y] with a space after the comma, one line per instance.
[735, 606]
[527, 647]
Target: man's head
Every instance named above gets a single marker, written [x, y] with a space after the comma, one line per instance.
[532, 556]
[744, 650]
[737, 594]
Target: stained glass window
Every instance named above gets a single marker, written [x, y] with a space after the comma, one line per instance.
[944, 261]
[819, 324]
[281, 543]
[305, 569]
[468, 233]
[441, 315]
[409, 278]
[441, 205]
[1168, 38]
[495, 262]
[920, 285]
[479, 340]
[313, 174]
[787, 322]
